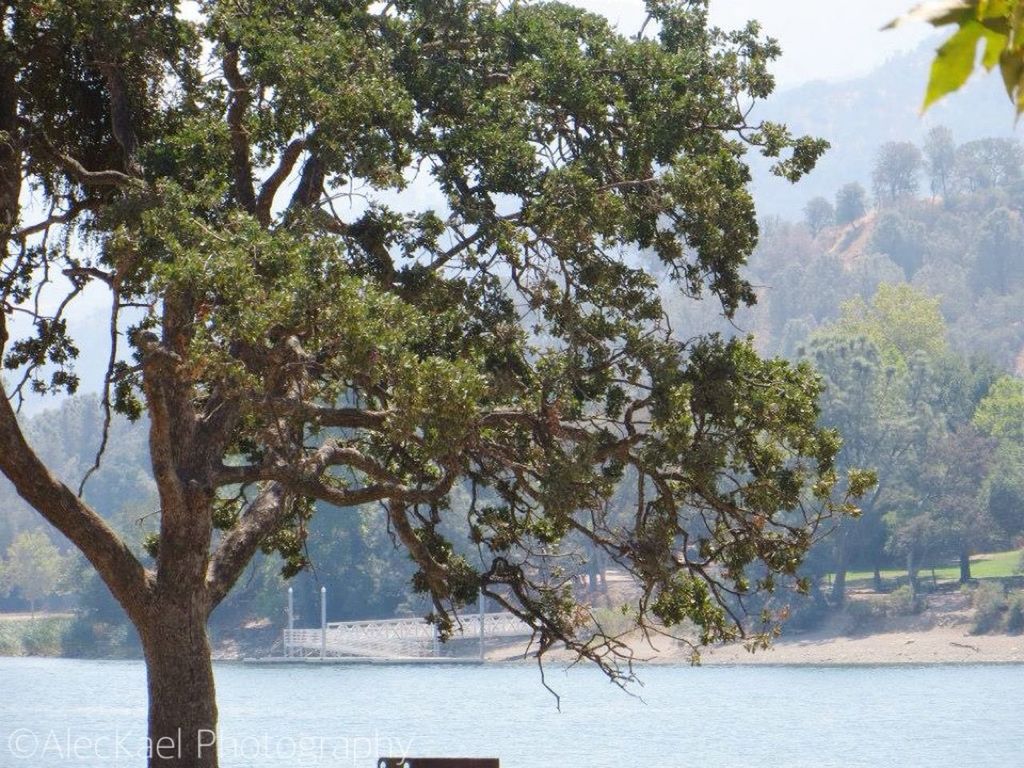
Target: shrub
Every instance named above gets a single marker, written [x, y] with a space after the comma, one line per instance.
[614, 621]
[900, 602]
[864, 612]
[10, 640]
[903, 602]
[36, 637]
[89, 639]
[989, 605]
[44, 637]
[807, 612]
[1015, 615]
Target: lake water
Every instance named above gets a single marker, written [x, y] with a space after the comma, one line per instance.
[60, 713]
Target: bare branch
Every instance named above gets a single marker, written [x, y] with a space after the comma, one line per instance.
[90, 273]
[89, 178]
[75, 208]
[265, 201]
[115, 310]
[325, 416]
[443, 258]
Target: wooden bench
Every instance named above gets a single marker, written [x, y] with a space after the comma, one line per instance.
[438, 762]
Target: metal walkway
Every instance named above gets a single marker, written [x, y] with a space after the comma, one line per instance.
[396, 639]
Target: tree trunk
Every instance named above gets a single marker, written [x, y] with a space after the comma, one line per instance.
[592, 575]
[912, 572]
[839, 583]
[965, 565]
[182, 703]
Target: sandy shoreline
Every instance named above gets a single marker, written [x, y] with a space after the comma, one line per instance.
[941, 634]
[945, 645]
[938, 645]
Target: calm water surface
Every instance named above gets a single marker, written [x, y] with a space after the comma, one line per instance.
[60, 713]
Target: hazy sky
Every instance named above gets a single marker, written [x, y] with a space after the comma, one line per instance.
[821, 39]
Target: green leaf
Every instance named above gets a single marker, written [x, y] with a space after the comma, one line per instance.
[954, 62]
[1011, 67]
[995, 44]
[994, 9]
[937, 13]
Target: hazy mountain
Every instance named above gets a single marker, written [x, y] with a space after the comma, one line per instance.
[859, 115]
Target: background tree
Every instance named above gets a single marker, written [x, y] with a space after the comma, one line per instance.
[296, 337]
[999, 264]
[861, 400]
[904, 404]
[939, 159]
[851, 203]
[902, 239]
[1005, 489]
[902, 321]
[896, 172]
[818, 215]
[988, 163]
[1001, 413]
[948, 491]
[33, 567]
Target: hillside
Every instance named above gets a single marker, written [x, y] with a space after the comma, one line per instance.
[968, 252]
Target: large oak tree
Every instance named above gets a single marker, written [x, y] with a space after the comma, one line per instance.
[365, 253]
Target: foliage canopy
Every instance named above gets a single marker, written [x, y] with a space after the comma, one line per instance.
[369, 254]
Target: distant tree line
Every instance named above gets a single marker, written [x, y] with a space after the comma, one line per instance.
[937, 427]
[908, 303]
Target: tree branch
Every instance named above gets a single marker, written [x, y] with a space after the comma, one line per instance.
[85, 177]
[324, 416]
[121, 116]
[10, 150]
[436, 574]
[265, 514]
[546, 422]
[265, 201]
[311, 184]
[158, 366]
[129, 581]
[237, 107]
[181, 466]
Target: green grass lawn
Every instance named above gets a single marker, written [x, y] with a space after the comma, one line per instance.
[994, 565]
